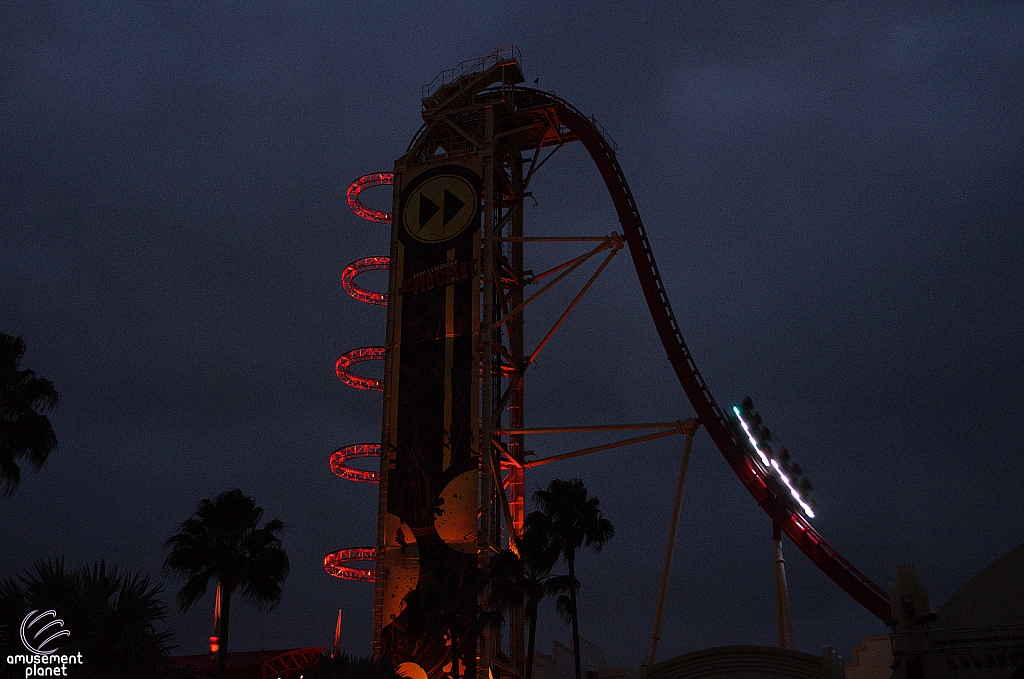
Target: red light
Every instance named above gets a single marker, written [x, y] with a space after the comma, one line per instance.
[343, 455]
[334, 564]
[365, 182]
[350, 358]
[757, 475]
[362, 266]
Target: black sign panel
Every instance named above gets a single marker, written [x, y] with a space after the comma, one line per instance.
[432, 479]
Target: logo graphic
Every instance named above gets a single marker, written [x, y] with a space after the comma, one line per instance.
[32, 620]
[440, 208]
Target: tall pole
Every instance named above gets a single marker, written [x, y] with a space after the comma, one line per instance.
[485, 537]
[689, 428]
[785, 622]
[337, 637]
[215, 639]
[516, 474]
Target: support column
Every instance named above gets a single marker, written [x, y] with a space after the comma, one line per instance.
[516, 476]
[689, 428]
[486, 353]
[785, 622]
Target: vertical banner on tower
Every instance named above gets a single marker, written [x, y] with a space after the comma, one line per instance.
[430, 447]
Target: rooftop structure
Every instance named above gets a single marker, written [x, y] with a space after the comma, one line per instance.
[280, 664]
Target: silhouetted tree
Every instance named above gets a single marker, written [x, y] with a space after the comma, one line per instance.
[446, 604]
[222, 542]
[571, 519]
[111, 618]
[25, 431]
[522, 580]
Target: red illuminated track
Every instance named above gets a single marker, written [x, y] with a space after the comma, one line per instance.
[842, 572]
[362, 266]
[335, 563]
[365, 182]
[345, 362]
[357, 450]
[803, 535]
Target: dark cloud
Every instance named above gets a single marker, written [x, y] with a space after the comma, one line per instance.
[833, 192]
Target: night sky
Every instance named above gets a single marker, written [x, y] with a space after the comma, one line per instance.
[834, 193]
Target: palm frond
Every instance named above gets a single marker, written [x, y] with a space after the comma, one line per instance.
[563, 604]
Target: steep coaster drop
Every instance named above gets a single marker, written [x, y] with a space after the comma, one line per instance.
[489, 83]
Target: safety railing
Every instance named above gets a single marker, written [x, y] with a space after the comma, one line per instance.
[471, 66]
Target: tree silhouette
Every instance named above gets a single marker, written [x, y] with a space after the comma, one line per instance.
[446, 604]
[221, 542]
[25, 431]
[522, 580]
[111, 617]
[571, 519]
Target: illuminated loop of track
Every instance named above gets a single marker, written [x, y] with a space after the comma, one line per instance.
[352, 452]
[362, 266]
[335, 563]
[764, 491]
[365, 182]
[343, 368]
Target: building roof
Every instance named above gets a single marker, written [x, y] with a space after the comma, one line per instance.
[995, 596]
[247, 663]
[235, 659]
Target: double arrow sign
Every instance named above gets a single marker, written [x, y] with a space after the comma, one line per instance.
[450, 204]
[440, 207]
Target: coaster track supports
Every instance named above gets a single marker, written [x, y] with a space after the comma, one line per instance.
[689, 429]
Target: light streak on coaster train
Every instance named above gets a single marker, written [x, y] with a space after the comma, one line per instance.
[773, 467]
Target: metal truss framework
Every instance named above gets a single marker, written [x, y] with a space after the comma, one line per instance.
[335, 563]
[343, 368]
[362, 266]
[515, 142]
[358, 186]
[477, 109]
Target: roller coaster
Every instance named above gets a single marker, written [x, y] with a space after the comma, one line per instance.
[544, 120]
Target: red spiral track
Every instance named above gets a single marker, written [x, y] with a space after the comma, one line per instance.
[352, 452]
[342, 368]
[335, 564]
[362, 266]
[365, 182]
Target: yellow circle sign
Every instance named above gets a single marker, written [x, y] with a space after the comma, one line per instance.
[440, 208]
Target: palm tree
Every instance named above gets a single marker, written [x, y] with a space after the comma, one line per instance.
[447, 602]
[571, 519]
[111, 617]
[221, 542]
[522, 580]
[25, 431]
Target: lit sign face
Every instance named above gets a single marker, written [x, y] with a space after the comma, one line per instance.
[440, 208]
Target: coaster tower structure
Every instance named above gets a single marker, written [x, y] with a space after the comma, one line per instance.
[452, 452]
[476, 124]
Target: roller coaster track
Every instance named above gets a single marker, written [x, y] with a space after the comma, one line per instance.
[808, 540]
[602, 150]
